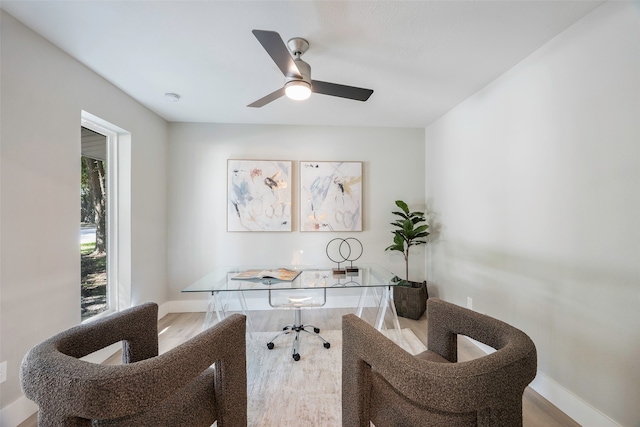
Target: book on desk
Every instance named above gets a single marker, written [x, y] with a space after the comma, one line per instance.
[283, 274]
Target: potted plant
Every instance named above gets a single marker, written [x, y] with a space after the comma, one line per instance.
[411, 230]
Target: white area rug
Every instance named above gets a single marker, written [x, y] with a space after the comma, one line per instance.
[283, 392]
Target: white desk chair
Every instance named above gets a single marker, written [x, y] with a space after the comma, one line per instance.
[297, 300]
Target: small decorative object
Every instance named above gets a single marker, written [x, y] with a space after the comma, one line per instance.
[259, 195]
[282, 274]
[331, 196]
[354, 254]
[334, 254]
[339, 250]
[410, 297]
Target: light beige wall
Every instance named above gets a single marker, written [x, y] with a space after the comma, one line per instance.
[536, 184]
[393, 168]
[43, 93]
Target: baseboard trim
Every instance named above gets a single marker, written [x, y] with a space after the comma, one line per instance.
[576, 408]
[182, 306]
[17, 412]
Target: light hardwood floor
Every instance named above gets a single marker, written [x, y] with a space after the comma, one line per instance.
[176, 328]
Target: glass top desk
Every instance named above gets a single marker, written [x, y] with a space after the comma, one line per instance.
[221, 285]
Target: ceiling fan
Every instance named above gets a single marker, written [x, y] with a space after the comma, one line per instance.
[298, 84]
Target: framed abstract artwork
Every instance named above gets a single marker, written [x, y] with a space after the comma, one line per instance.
[331, 196]
[259, 195]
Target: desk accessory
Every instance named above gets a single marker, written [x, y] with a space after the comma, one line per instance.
[283, 274]
[340, 250]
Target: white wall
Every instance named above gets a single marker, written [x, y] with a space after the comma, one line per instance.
[393, 167]
[536, 183]
[43, 93]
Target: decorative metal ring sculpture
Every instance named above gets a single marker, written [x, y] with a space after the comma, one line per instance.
[344, 253]
[339, 252]
[348, 257]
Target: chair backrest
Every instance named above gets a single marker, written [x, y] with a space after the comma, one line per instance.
[147, 387]
[385, 384]
[297, 298]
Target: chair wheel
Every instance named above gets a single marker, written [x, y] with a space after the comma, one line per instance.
[270, 345]
[327, 345]
[316, 330]
[296, 356]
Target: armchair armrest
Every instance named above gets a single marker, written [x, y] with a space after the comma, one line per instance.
[136, 327]
[455, 387]
[445, 321]
[100, 391]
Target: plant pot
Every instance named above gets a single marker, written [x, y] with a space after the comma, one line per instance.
[411, 301]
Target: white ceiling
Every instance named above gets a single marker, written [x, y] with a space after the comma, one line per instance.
[421, 57]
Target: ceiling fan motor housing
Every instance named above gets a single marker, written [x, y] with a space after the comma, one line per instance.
[298, 46]
[305, 72]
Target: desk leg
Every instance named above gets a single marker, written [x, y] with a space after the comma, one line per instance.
[243, 306]
[382, 310]
[387, 302]
[396, 322]
[214, 305]
[223, 306]
[361, 300]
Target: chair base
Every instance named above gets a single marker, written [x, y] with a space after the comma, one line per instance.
[296, 328]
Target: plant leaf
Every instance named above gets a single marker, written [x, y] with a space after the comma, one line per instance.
[421, 229]
[398, 243]
[402, 205]
[407, 227]
[401, 214]
[399, 239]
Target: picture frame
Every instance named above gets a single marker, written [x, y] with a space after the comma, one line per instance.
[330, 196]
[259, 195]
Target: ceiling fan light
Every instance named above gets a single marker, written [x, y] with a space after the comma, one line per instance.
[298, 90]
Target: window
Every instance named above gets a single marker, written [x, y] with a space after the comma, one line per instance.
[106, 158]
[93, 224]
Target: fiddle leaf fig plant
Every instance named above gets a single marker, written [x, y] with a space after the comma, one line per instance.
[410, 231]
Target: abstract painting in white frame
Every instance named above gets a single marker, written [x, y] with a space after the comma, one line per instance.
[259, 195]
[331, 196]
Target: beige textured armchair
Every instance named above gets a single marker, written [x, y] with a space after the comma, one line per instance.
[177, 388]
[384, 384]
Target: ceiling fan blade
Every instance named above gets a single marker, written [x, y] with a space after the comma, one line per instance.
[277, 50]
[333, 89]
[267, 99]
